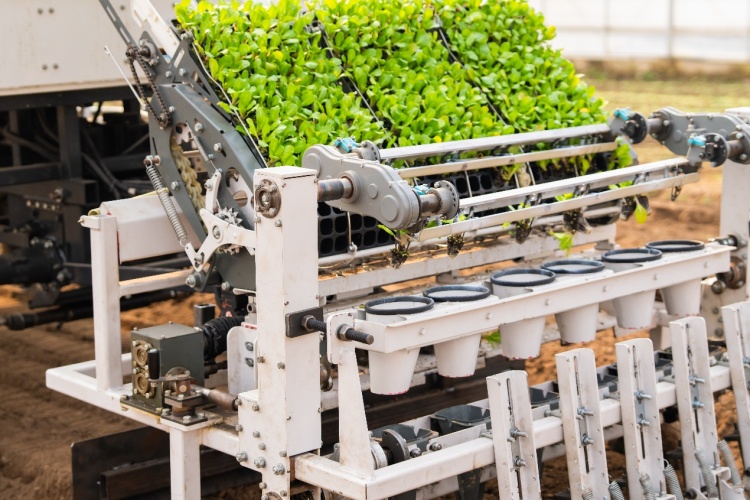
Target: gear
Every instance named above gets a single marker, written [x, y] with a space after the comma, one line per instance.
[232, 217]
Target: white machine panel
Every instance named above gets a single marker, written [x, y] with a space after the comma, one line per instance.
[59, 46]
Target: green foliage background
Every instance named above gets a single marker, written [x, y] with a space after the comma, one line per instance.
[495, 75]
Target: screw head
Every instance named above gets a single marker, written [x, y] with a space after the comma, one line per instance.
[256, 434]
[259, 462]
[199, 127]
[216, 232]
[282, 453]
[256, 407]
[249, 346]
[191, 281]
[241, 456]
[435, 447]
[262, 486]
[279, 469]
[281, 365]
[226, 286]
[238, 428]
[415, 453]
[218, 147]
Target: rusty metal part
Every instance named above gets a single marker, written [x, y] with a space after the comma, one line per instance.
[221, 399]
[736, 276]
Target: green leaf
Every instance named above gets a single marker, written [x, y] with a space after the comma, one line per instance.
[641, 214]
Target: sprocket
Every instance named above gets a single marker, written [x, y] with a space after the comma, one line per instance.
[231, 216]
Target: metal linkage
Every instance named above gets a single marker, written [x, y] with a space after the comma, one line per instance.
[692, 377]
[582, 425]
[636, 375]
[737, 336]
[513, 435]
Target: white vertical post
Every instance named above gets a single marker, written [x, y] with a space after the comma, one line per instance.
[184, 464]
[636, 378]
[695, 399]
[737, 335]
[582, 424]
[354, 451]
[105, 285]
[282, 417]
[513, 435]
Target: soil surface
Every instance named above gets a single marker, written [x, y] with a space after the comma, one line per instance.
[37, 425]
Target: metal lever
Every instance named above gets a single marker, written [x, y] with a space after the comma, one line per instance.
[311, 324]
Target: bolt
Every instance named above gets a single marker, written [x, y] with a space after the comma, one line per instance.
[216, 232]
[186, 419]
[586, 440]
[256, 434]
[643, 422]
[249, 362]
[241, 456]
[260, 462]
[282, 453]
[199, 127]
[44, 67]
[175, 186]
[261, 446]
[262, 486]
[640, 395]
[226, 286]
[281, 365]
[191, 281]
[414, 453]
[272, 211]
[264, 497]
[585, 412]
[249, 346]
[435, 447]
[218, 147]
[277, 223]
[283, 493]
[238, 428]
[519, 462]
[279, 469]
[181, 397]
[743, 157]
[51, 10]
[209, 185]
[171, 109]
[40, 11]
[256, 407]
[697, 404]
[261, 359]
[168, 74]
[515, 432]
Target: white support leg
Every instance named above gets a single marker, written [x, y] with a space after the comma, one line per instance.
[185, 465]
[695, 403]
[582, 425]
[513, 435]
[105, 284]
[282, 417]
[354, 450]
[636, 377]
[737, 335]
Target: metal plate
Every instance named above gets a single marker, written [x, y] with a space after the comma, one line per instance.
[294, 320]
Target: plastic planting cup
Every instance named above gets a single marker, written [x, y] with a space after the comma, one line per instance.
[391, 373]
[458, 357]
[682, 299]
[637, 310]
[576, 325]
[522, 339]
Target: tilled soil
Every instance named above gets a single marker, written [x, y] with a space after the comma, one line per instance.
[38, 425]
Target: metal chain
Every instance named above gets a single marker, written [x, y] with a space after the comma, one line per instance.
[134, 53]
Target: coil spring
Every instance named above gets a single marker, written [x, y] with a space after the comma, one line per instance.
[708, 478]
[615, 492]
[648, 488]
[169, 208]
[673, 484]
[726, 455]
[588, 495]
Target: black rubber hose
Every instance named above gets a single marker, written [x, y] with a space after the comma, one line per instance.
[215, 333]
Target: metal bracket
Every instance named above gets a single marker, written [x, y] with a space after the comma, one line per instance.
[294, 321]
[737, 337]
[636, 375]
[582, 425]
[513, 435]
[695, 401]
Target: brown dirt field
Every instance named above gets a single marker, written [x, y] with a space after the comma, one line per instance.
[38, 425]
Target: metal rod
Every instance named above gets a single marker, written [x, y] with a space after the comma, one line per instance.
[488, 143]
[557, 207]
[499, 161]
[556, 188]
[335, 189]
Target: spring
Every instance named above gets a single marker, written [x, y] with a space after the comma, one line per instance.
[648, 488]
[726, 455]
[169, 208]
[673, 484]
[615, 492]
[588, 495]
[708, 477]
